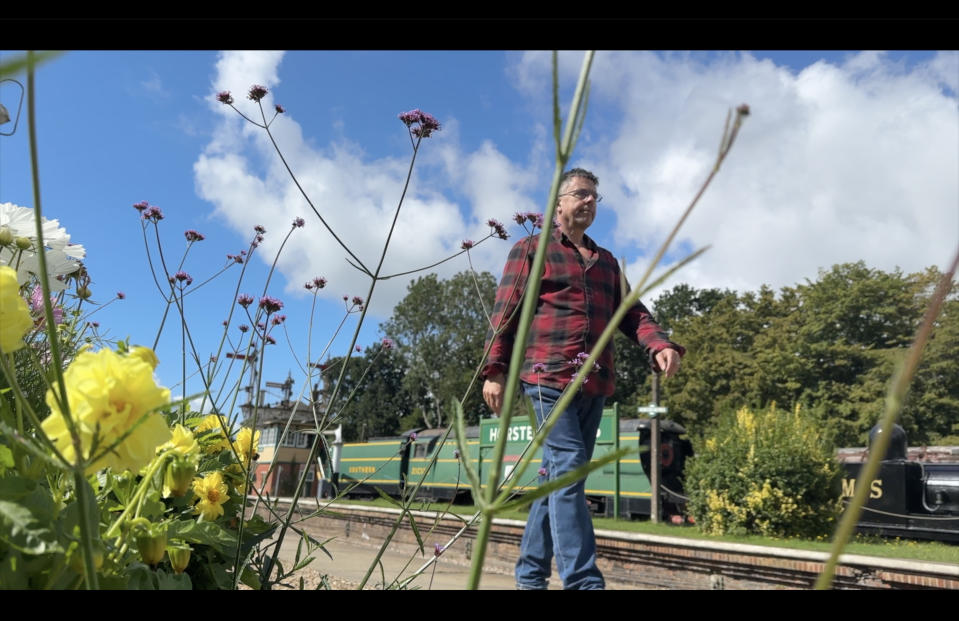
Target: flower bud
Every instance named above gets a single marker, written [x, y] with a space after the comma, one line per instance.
[151, 541]
[23, 243]
[146, 355]
[178, 478]
[76, 557]
[6, 236]
[83, 292]
[179, 556]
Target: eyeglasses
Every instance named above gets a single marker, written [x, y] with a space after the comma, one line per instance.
[584, 194]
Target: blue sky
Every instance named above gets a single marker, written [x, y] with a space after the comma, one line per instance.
[846, 156]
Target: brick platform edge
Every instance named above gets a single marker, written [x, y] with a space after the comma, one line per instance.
[637, 560]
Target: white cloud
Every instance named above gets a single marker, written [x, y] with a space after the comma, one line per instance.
[240, 173]
[857, 161]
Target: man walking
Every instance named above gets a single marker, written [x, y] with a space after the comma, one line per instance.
[579, 292]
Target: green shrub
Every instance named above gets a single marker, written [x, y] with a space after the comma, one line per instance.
[770, 472]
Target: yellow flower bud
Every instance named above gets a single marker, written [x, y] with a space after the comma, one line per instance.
[179, 557]
[151, 541]
[6, 236]
[76, 557]
[84, 293]
[178, 477]
[23, 243]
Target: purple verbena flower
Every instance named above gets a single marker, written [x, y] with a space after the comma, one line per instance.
[456, 453]
[519, 218]
[243, 327]
[358, 300]
[413, 435]
[193, 236]
[308, 286]
[184, 277]
[141, 206]
[270, 304]
[467, 244]
[93, 324]
[358, 349]
[388, 343]
[541, 472]
[261, 325]
[259, 229]
[413, 116]
[244, 300]
[298, 223]
[539, 367]
[278, 319]
[438, 549]
[152, 213]
[257, 92]
[224, 97]
[121, 295]
[225, 323]
[270, 340]
[280, 109]
[319, 282]
[426, 123]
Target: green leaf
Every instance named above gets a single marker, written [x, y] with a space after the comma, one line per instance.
[250, 579]
[26, 516]
[206, 533]
[173, 582]
[416, 531]
[12, 575]
[19, 62]
[140, 578]
[387, 497]
[6, 458]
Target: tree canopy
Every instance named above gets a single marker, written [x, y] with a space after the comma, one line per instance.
[830, 345]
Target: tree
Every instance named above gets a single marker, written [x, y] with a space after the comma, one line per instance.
[440, 329]
[379, 403]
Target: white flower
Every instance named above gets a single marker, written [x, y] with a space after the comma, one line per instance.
[62, 256]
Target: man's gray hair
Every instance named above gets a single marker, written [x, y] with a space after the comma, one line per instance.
[577, 172]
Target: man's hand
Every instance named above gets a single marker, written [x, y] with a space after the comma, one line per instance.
[493, 390]
[667, 359]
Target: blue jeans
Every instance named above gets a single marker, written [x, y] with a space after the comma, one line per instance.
[560, 524]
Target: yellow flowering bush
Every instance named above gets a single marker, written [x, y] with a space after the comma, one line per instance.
[113, 401]
[769, 472]
[15, 319]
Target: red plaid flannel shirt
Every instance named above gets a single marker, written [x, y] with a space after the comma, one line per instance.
[576, 301]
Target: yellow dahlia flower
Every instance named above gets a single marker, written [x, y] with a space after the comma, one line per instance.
[212, 423]
[247, 444]
[111, 397]
[15, 318]
[182, 442]
[211, 494]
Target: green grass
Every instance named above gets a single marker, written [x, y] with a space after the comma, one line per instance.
[866, 546]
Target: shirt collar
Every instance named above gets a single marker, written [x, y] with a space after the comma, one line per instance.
[561, 237]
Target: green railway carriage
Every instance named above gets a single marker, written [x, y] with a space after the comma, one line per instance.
[397, 464]
[380, 463]
[625, 479]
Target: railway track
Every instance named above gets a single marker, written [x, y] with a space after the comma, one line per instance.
[632, 560]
